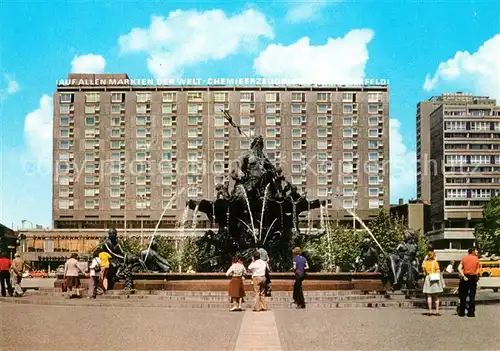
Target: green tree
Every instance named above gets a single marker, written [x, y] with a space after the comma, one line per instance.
[487, 232]
[388, 230]
[189, 253]
[422, 245]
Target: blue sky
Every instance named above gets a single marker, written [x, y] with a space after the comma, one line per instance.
[455, 44]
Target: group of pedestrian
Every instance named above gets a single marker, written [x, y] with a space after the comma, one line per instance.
[11, 274]
[98, 272]
[260, 270]
[434, 284]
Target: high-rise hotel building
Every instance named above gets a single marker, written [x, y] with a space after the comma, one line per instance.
[122, 151]
[463, 170]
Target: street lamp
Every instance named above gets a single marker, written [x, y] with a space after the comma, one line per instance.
[24, 221]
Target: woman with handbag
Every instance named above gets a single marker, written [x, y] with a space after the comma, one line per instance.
[433, 283]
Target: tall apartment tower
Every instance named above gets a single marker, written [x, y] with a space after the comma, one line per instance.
[122, 151]
[465, 171]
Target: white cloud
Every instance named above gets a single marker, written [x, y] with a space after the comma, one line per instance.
[185, 38]
[339, 61]
[403, 165]
[88, 63]
[306, 10]
[38, 130]
[479, 70]
[12, 87]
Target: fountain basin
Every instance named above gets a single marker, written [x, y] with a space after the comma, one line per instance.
[280, 281]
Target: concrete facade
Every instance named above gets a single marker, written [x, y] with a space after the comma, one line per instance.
[121, 151]
[416, 214]
[465, 170]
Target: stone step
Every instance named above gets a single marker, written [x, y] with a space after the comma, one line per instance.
[100, 302]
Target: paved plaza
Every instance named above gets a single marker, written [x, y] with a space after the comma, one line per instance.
[46, 327]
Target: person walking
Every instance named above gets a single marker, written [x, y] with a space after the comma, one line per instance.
[433, 282]
[71, 274]
[5, 265]
[264, 256]
[95, 274]
[258, 269]
[237, 272]
[104, 259]
[299, 267]
[17, 269]
[469, 276]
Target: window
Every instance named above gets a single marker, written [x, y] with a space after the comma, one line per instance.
[246, 96]
[270, 120]
[219, 108]
[115, 133]
[115, 109]
[141, 144]
[63, 204]
[348, 204]
[168, 132]
[374, 97]
[64, 156]
[347, 167]
[296, 156]
[192, 132]
[167, 156]
[321, 144]
[196, 95]
[348, 144]
[63, 109]
[322, 121]
[271, 108]
[89, 192]
[372, 121]
[323, 97]
[347, 108]
[456, 159]
[168, 96]
[373, 192]
[114, 180]
[64, 133]
[141, 191]
[89, 156]
[455, 125]
[296, 144]
[322, 156]
[89, 168]
[373, 133]
[115, 144]
[167, 121]
[140, 156]
[220, 97]
[298, 97]
[296, 121]
[89, 144]
[218, 144]
[348, 121]
[219, 132]
[322, 192]
[347, 97]
[321, 180]
[373, 180]
[272, 97]
[481, 193]
[166, 192]
[480, 159]
[115, 121]
[322, 108]
[322, 132]
[66, 98]
[140, 121]
[372, 108]
[348, 156]
[89, 121]
[115, 204]
[456, 193]
[141, 108]
[348, 179]
[271, 144]
[63, 168]
[296, 167]
[373, 203]
[63, 192]
[373, 156]
[64, 144]
[115, 156]
[296, 133]
[219, 156]
[218, 167]
[244, 144]
[116, 97]
[296, 179]
[89, 204]
[89, 180]
[89, 109]
[193, 120]
[296, 108]
[64, 121]
[92, 97]
[372, 167]
[143, 96]
[348, 192]
[193, 192]
[140, 180]
[245, 108]
[271, 132]
[166, 108]
[63, 180]
[372, 144]
[322, 168]
[347, 133]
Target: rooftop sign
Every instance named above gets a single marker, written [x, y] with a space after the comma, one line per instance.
[212, 82]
